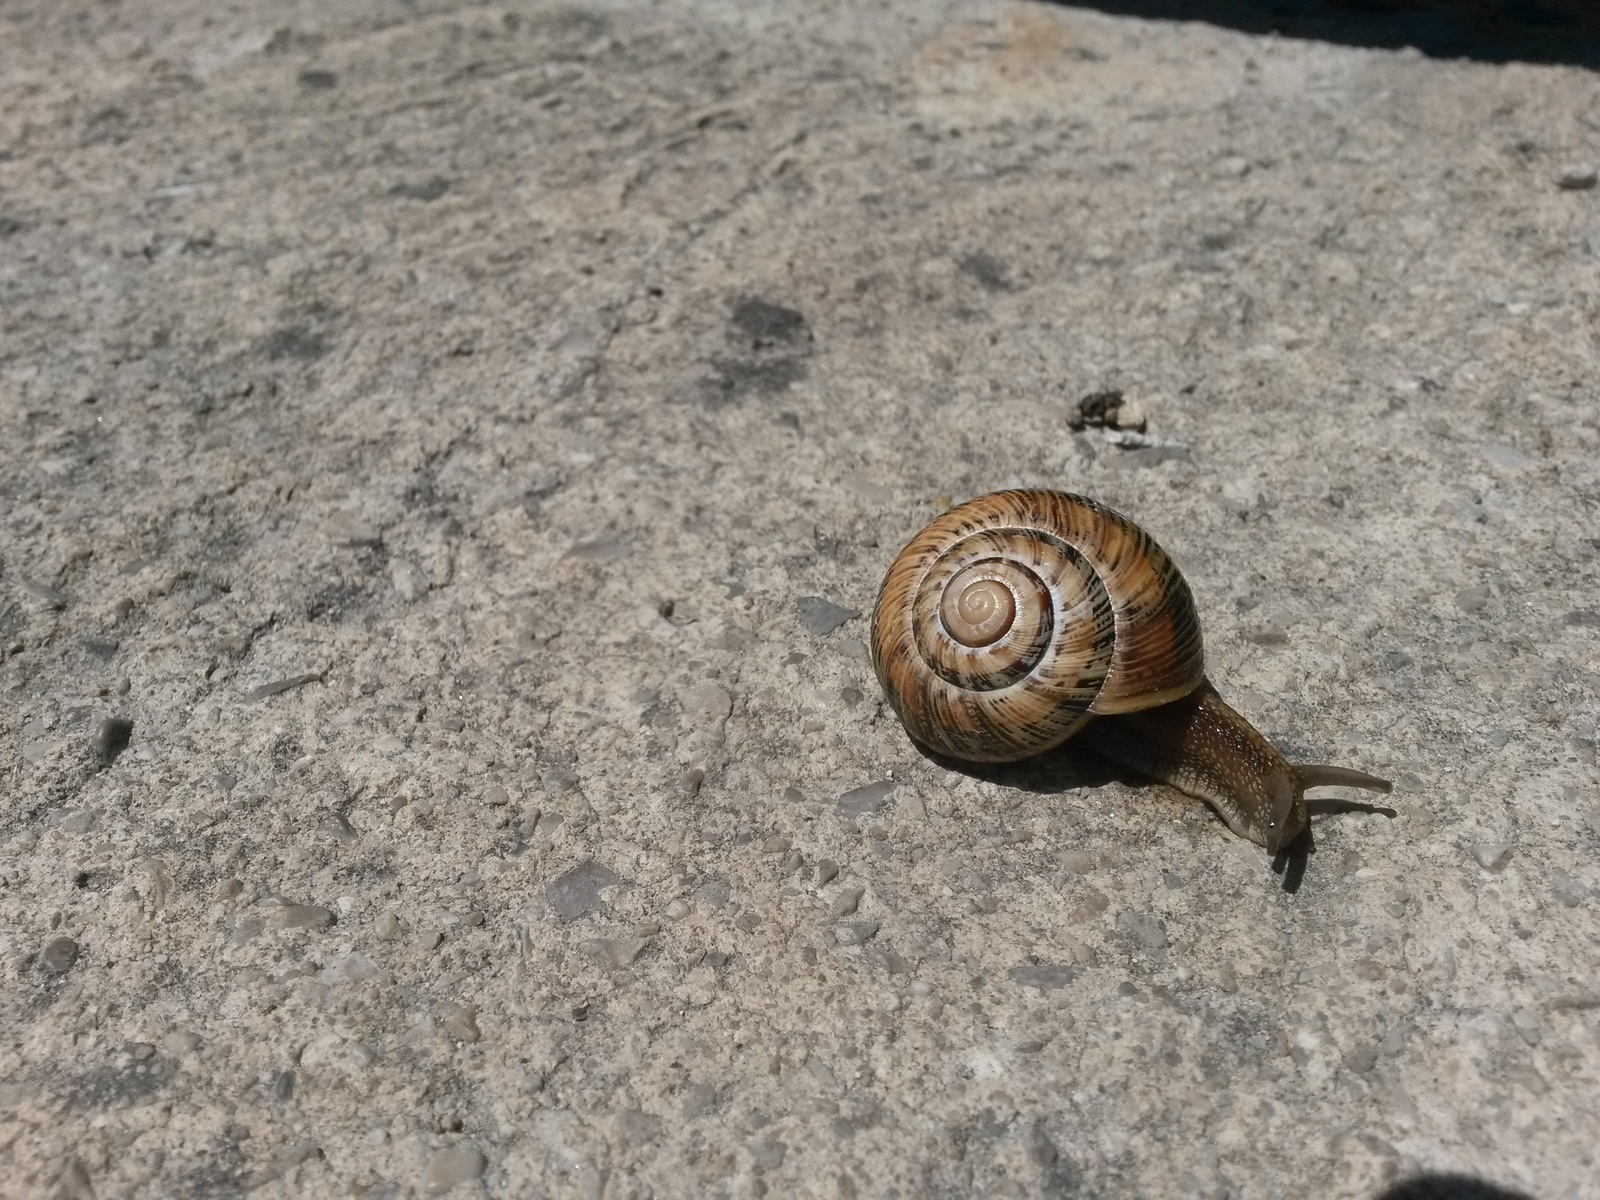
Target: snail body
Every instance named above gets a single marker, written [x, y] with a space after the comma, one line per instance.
[1013, 621]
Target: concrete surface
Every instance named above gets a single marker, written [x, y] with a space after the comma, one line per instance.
[423, 422]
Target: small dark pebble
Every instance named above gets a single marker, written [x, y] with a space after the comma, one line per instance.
[102, 648]
[766, 323]
[283, 1086]
[111, 739]
[1578, 179]
[988, 270]
[426, 191]
[59, 955]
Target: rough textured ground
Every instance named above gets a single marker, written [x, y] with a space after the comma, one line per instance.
[423, 421]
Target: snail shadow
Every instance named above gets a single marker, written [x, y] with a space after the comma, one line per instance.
[1075, 764]
[1068, 767]
[1448, 1187]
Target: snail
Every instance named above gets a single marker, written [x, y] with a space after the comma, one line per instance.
[1013, 620]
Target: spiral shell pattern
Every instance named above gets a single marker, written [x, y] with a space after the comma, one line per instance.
[1013, 618]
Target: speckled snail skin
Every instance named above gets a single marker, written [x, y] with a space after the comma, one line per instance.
[1013, 620]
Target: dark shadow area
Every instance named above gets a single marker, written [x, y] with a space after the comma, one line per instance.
[1075, 764]
[1069, 766]
[1542, 31]
[1449, 1187]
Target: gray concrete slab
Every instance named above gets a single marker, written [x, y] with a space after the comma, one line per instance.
[455, 437]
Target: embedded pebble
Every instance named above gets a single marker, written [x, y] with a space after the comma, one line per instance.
[1143, 928]
[677, 910]
[1361, 1059]
[1491, 856]
[452, 1166]
[53, 597]
[387, 927]
[821, 616]
[1509, 457]
[279, 686]
[714, 893]
[600, 549]
[345, 529]
[338, 826]
[614, 953]
[637, 1128]
[112, 738]
[577, 893]
[699, 1098]
[1044, 976]
[302, 916]
[855, 933]
[180, 1042]
[1569, 890]
[59, 955]
[866, 799]
[1527, 1025]
[845, 902]
[408, 579]
[769, 1154]
[707, 702]
[827, 870]
[80, 822]
[460, 1021]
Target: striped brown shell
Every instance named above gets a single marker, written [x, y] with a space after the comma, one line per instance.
[1013, 618]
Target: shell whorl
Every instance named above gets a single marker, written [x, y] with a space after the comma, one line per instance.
[1013, 618]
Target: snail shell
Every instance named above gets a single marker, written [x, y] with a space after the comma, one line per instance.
[1012, 619]
[1016, 619]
